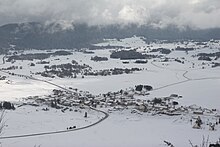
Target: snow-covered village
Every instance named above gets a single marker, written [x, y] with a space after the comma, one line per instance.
[113, 86]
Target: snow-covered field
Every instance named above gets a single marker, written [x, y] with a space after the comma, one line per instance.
[195, 81]
[126, 130]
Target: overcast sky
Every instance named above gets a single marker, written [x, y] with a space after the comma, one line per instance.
[160, 13]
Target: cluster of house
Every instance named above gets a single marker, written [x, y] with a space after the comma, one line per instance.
[133, 99]
[122, 99]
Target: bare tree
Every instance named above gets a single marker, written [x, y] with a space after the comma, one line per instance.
[205, 142]
[2, 123]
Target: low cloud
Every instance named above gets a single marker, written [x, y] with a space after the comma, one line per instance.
[158, 13]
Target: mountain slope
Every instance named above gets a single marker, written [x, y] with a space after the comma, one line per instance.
[41, 36]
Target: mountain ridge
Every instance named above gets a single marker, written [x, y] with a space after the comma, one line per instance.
[47, 36]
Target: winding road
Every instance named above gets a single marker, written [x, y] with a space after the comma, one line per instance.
[184, 75]
[58, 132]
[106, 115]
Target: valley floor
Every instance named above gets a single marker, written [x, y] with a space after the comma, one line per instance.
[199, 86]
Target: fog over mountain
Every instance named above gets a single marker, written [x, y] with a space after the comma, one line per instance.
[80, 23]
[200, 14]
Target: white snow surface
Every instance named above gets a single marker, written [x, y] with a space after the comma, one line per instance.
[121, 129]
